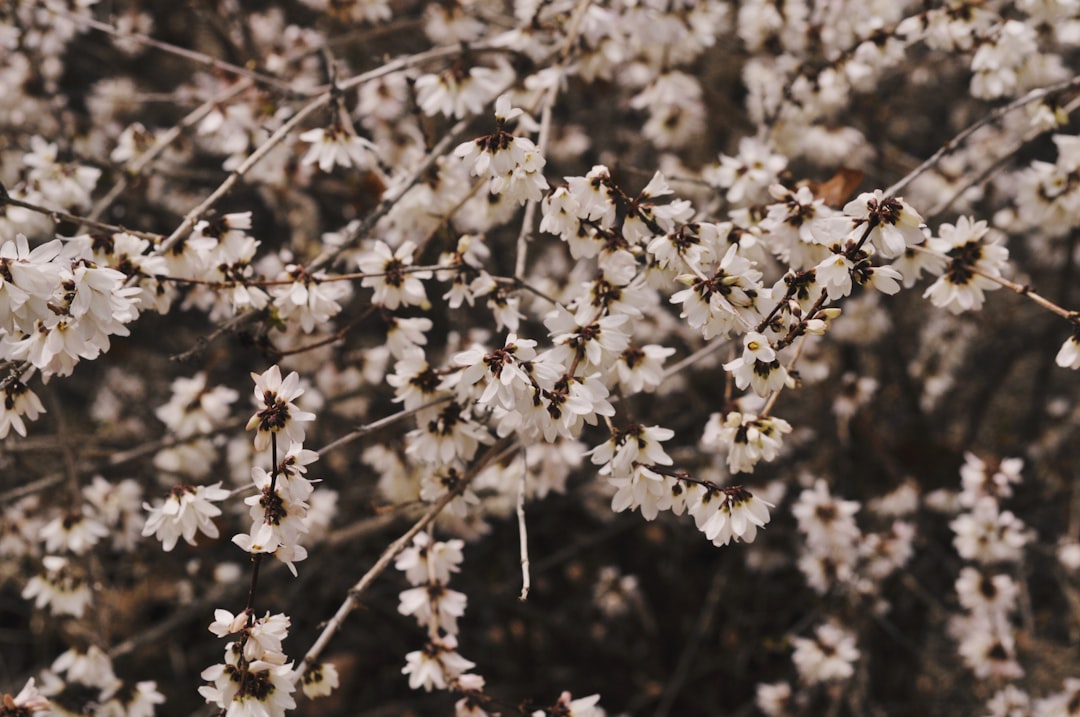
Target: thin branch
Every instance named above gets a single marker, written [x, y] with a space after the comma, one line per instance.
[523, 534]
[952, 144]
[58, 215]
[694, 357]
[993, 169]
[376, 425]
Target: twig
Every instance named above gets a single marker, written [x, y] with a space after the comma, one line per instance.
[58, 215]
[694, 358]
[523, 535]
[376, 425]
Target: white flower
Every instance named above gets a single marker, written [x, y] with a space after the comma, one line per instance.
[594, 195]
[334, 145]
[988, 534]
[561, 213]
[415, 382]
[796, 225]
[74, 532]
[636, 444]
[188, 510]
[1059, 704]
[455, 93]
[749, 175]
[436, 665]
[319, 680]
[260, 689]
[567, 706]
[746, 438]
[194, 408]
[514, 164]
[225, 623]
[498, 374]
[449, 435]
[395, 285]
[758, 366]
[403, 334]
[93, 667]
[131, 699]
[67, 185]
[828, 522]
[60, 588]
[731, 512]
[834, 273]
[1010, 701]
[979, 592]
[310, 298]
[977, 481]
[972, 261]
[16, 402]
[726, 301]
[434, 601]
[424, 560]
[277, 412]
[264, 638]
[599, 342]
[987, 646]
[774, 699]
[642, 369]
[829, 656]
[279, 517]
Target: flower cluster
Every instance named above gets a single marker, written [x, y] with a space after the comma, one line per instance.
[514, 164]
[84, 680]
[58, 306]
[994, 539]
[427, 566]
[254, 677]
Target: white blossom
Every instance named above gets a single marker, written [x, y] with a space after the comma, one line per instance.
[277, 412]
[187, 511]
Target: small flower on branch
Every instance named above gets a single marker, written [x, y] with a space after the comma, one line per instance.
[187, 511]
[278, 413]
[334, 145]
[972, 261]
[319, 680]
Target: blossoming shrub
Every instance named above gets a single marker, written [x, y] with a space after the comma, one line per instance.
[607, 357]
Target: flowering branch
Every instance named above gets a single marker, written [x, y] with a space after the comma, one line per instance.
[335, 623]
